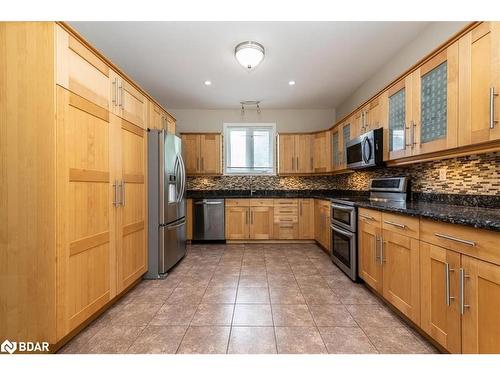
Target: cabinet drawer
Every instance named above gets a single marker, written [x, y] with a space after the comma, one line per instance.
[284, 231]
[261, 202]
[286, 219]
[478, 243]
[286, 202]
[286, 210]
[370, 217]
[237, 202]
[401, 224]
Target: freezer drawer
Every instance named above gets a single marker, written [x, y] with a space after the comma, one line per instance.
[208, 219]
[172, 244]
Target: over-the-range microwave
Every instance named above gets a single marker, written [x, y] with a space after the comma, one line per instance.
[366, 150]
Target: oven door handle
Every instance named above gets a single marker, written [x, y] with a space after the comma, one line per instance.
[341, 231]
[343, 208]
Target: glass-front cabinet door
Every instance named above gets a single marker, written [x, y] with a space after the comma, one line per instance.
[434, 124]
[346, 136]
[399, 117]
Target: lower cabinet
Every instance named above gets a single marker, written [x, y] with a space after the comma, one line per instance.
[322, 233]
[306, 219]
[237, 223]
[249, 219]
[389, 259]
[261, 223]
[460, 300]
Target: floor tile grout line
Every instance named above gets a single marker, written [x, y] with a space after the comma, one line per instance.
[234, 304]
[271, 307]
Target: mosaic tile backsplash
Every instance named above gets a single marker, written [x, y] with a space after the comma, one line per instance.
[475, 174]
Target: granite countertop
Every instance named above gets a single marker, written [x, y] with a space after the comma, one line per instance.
[475, 211]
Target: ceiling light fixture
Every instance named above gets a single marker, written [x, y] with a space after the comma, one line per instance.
[249, 54]
[249, 103]
[291, 83]
[207, 83]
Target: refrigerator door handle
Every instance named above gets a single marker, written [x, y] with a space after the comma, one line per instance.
[183, 178]
[175, 226]
[161, 172]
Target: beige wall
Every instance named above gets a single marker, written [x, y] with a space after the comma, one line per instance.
[424, 43]
[287, 120]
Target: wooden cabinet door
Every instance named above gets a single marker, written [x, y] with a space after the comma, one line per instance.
[372, 115]
[322, 152]
[286, 153]
[435, 103]
[481, 300]
[440, 311]
[370, 263]
[401, 273]
[130, 103]
[170, 124]
[479, 54]
[306, 219]
[131, 249]
[80, 71]
[85, 214]
[261, 223]
[327, 233]
[210, 153]
[336, 149]
[237, 223]
[303, 153]
[359, 121]
[155, 117]
[191, 152]
[317, 220]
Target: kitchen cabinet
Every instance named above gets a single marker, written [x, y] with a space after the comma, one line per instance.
[390, 263]
[127, 101]
[130, 143]
[81, 71]
[399, 118]
[479, 84]
[322, 223]
[159, 119]
[202, 153]
[306, 219]
[369, 237]
[295, 154]
[439, 277]
[339, 137]
[322, 152]
[286, 219]
[249, 219]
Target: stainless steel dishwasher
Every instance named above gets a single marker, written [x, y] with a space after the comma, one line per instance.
[208, 219]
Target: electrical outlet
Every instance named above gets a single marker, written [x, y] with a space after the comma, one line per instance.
[442, 174]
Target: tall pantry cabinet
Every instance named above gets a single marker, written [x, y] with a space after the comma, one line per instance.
[73, 148]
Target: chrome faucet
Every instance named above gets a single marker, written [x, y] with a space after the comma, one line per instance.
[251, 186]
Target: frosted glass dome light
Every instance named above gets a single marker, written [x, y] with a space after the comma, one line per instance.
[249, 54]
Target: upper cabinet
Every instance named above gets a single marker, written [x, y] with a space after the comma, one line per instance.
[322, 152]
[81, 71]
[159, 119]
[341, 134]
[399, 115]
[128, 102]
[202, 153]
[479, 84]
[295, 153]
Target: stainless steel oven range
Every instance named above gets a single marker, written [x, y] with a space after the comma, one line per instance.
[344, 218]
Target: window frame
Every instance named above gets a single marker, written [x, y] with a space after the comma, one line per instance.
[226, 139]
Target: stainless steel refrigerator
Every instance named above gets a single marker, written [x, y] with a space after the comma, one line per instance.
[166, 202]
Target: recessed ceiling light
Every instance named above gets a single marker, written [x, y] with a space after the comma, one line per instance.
[291, 83]
[207, 83]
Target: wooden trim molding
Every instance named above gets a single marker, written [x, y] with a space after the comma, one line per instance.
[88, 175]
[132, 228]
[87, 106]
[133, 178]
[128, 126]
[87, 243]
[88, 56]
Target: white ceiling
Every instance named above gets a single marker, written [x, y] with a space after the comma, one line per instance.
[328, 60]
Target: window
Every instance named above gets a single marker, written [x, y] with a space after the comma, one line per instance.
[249, 149]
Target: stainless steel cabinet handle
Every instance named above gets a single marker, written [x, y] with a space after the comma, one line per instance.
[122, 99]
[413, 126]
[115, 193]
[463, 306]
[114, 92]
[456, 239]
[382, 260]
[447, 271]
[202, 164]
[251, 219]
[492, 107]
[123, 193]
[377, 239]
[402, 226]
[311, 163]
[404, 136]
[368, 217]
[197, 164]
[297, 163]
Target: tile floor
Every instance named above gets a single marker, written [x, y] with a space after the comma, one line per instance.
[262, 298]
